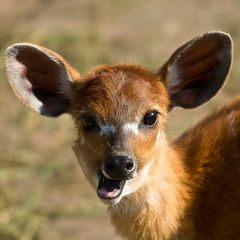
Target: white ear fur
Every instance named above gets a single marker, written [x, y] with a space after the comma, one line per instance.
[17, 73]
[19, 83]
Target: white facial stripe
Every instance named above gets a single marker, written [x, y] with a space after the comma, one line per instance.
[107, 129]
[158, 138]
[131, 127]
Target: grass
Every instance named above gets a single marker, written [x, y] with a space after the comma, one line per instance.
[44, 194]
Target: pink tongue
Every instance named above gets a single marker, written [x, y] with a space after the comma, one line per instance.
[105, 193]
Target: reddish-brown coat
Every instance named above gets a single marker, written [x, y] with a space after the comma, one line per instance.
[186, 188]
[203, 175]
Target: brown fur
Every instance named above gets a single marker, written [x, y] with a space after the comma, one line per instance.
[186, 188]
[200, 172]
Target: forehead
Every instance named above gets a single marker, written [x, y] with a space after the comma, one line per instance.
[117, 93]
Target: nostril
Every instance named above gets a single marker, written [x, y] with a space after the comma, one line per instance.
[130, 165]
[119, 166]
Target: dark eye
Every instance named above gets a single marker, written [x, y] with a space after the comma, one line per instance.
[150, 119]
[89, 123]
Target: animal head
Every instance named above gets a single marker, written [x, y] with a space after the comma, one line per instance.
[119, 110]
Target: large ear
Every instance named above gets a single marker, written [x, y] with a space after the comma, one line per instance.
[40, 78]
[197, 70]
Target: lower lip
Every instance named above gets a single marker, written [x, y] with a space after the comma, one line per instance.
[104, 194]
[109, 196]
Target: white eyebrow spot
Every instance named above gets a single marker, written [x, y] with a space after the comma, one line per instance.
[107, 129]
[131, 127]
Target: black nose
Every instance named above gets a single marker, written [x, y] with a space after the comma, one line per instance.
[119, 166]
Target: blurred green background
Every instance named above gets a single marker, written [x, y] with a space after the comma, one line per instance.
[43, 194]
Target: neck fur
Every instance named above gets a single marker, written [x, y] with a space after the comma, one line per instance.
[156, 210]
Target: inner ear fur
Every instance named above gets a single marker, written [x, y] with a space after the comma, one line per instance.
[197, 70]
[40, 78]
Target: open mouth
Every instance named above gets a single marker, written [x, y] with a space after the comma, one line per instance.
[109, 188]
